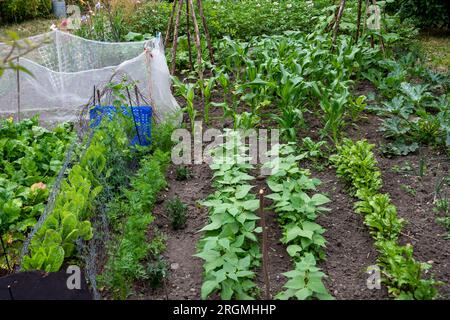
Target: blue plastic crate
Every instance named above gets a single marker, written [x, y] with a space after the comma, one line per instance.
[142, 116]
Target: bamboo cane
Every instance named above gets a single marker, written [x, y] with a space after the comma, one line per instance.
[205, 27]
[264, 245]
[197, 40]
[358, 20]
[188, 34]
[338, 20]
[169, 26]
[175, 37]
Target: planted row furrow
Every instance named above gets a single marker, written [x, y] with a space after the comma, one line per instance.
[229, 246]
[297, 212]
[403, 276]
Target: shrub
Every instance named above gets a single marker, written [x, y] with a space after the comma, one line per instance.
[20, 10]
[423, 13]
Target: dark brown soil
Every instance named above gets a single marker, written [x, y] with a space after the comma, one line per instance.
[349, 248]
[414, 196]
[185, 271]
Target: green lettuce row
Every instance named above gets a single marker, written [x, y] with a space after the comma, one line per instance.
[69, 220]
[30, 159]
[229, 246]
[404, 277]
[297, 212]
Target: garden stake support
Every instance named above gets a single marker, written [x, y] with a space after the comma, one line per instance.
[10, 292]
[175, 36]
[99, 98]
[188, 34]
[169, 26]
[18, 92]
[264, 245]
[197, 40]
[358, 20]
[190, 14]
[205, 27]
[5, 254]
[137, 95]
[132, 113]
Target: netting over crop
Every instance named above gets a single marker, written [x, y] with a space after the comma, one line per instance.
[66, 68]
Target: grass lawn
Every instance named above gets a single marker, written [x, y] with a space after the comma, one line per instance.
[437, 51]
[29, 28]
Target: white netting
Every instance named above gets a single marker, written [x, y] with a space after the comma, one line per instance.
[66, 69]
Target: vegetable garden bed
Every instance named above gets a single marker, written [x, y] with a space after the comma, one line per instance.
[358, 208]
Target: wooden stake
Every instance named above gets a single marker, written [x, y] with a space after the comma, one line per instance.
[358, 20]
[188, 34]
[136, 93]
[169, 26]
[338, 20]
[134, 118]
[265, 265]
[10, 292]
[99, 98]
[4, 252]
[381, 37]
[197, 40]
[205, 27]
[18, 92]
[175, 37]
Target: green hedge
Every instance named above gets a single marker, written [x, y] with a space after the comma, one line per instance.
[21, 10]
[425, 14]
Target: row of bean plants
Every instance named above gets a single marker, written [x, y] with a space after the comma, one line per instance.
[297, 212]
[229, 246]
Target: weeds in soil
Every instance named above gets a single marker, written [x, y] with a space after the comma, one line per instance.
[156, 272]
[183, 173]
[177, 212]
[408, 189]
[441, 205]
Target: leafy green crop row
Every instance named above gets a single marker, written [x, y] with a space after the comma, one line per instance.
[403, 275]
[229, 245]
[30, 159]
[130, 248]
[297, 212]
[69, 220]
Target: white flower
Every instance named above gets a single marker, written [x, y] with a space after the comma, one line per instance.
[98, 5]
[275, 3]
[53, 27]
[289, 5]
[310, 3]
[258, 5]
